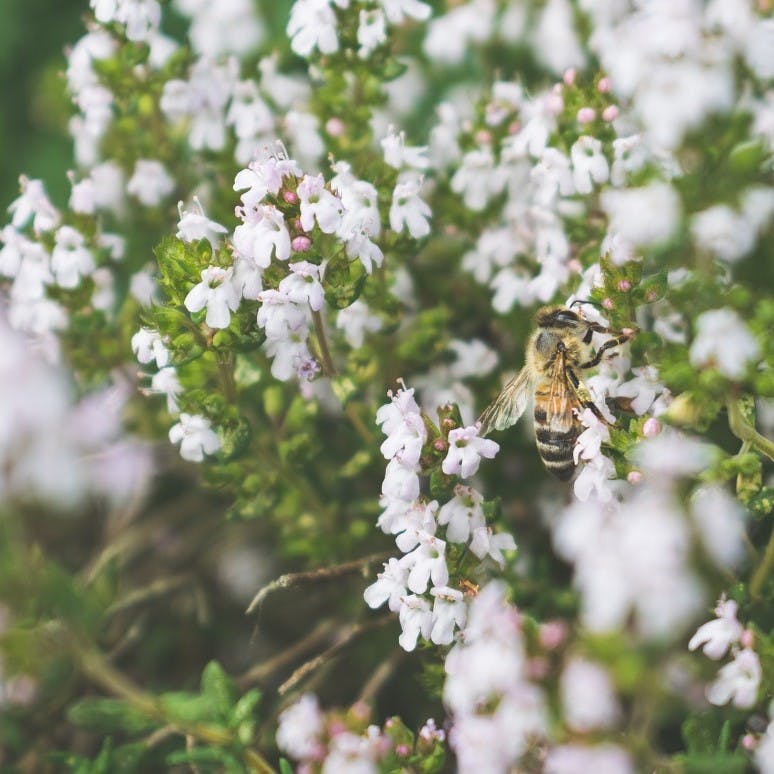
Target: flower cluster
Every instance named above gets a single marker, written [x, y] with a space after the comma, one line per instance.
[331, 742]
[405, 583]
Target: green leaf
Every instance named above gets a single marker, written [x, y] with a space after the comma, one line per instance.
[285, 767]
[218, 688]
[109, 716]
[343, 281]
[187, 707]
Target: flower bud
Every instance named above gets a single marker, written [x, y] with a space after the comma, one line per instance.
[610, 113]
[634, 477]
[651, 428]
[586, 115]
[301, 243]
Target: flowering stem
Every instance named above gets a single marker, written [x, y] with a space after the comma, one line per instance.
[744, 431]
[763, 570]
[329, 368]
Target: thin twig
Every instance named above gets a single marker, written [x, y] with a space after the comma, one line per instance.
[345, 637]
[261, 672]
[382, 674]
[159, 588]
[311, 576]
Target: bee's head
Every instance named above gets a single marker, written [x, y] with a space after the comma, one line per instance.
[557, 317]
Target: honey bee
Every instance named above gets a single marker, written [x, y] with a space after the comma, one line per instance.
[559, 348]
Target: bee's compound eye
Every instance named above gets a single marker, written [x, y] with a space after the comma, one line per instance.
[567, 315]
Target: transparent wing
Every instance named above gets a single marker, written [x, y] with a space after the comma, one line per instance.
[509, 405]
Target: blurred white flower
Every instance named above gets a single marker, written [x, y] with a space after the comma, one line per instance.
[150, 183]
[737, 681]
[588, 697]
[724, 342]
[718, 635]
[300, 727]
[624, 207]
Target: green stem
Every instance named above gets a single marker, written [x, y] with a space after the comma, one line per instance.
[745, 432]
[329, 368]
[763, 570]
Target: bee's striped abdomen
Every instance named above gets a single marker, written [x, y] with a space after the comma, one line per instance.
[555, 441]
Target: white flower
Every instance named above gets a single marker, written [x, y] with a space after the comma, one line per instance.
[318, 203]
[303, 286]
[580, 759]
[724, 342]
[195, 436]
[194, 225]
[103, 189]
[466, 450]
[673, 454]
[588, 697]
[408, 211]
[148, 345]
[625, 207]
[415, 618]
[448, 36]
[218, 293]
[356, 321]
[555, 40]
[262, 177]
[300, 727]
[312, 25]
[449, 611]
[718, 635]
[400, 480]
[290, 357]
[390, 586]
[279, 316]
[589, 164]
[478, 179]
[226, 27]
[33, 203]
[202, 99]
[463, 514]
[764, 753]
[426, 561]
[371, 31]
[71, 259]
[589, 442]
[401, 421]
[629, 155]
[719, 519]
[167, 383]
[150, 183]
[737, 681]
[397, 10]
[262, 234]
[397, 154]
[488, 543]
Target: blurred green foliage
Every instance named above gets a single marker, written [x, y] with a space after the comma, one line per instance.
[33, 107]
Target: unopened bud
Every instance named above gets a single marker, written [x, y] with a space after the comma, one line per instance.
[484, 137]
[569, 76]
[334, 127]
[747, 638]
[610, 113]
[301, 243]
[604, 85]
[624, 285]
[651, 428]
[586, 115]
[608, 303]
[634, 477]
[291, 197]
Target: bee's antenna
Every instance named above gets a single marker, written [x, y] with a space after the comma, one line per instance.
[586, 301]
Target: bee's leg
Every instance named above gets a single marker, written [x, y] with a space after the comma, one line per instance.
[621, 338]
[583, 394]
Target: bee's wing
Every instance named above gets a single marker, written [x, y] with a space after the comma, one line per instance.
[509, 405]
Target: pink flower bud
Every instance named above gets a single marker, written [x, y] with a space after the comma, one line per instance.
[336, 727]
[749, 742]
[628, 332]
[651, 428]
[514, 127]
[569, 76]
[483, 137]
[334, 127]
[604, 85]
[402, 750]
[608, 303]
[575, 266]
[440, 445]
[554, 104]
[586, 115]
[651, 296]
[301, 243]
[537, 668]
[747, 638]
[552, 634]
[634, 477]
[610, 113]
[624, 285]
[291, 197]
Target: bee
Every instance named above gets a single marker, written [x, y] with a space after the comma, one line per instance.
[556, 352]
